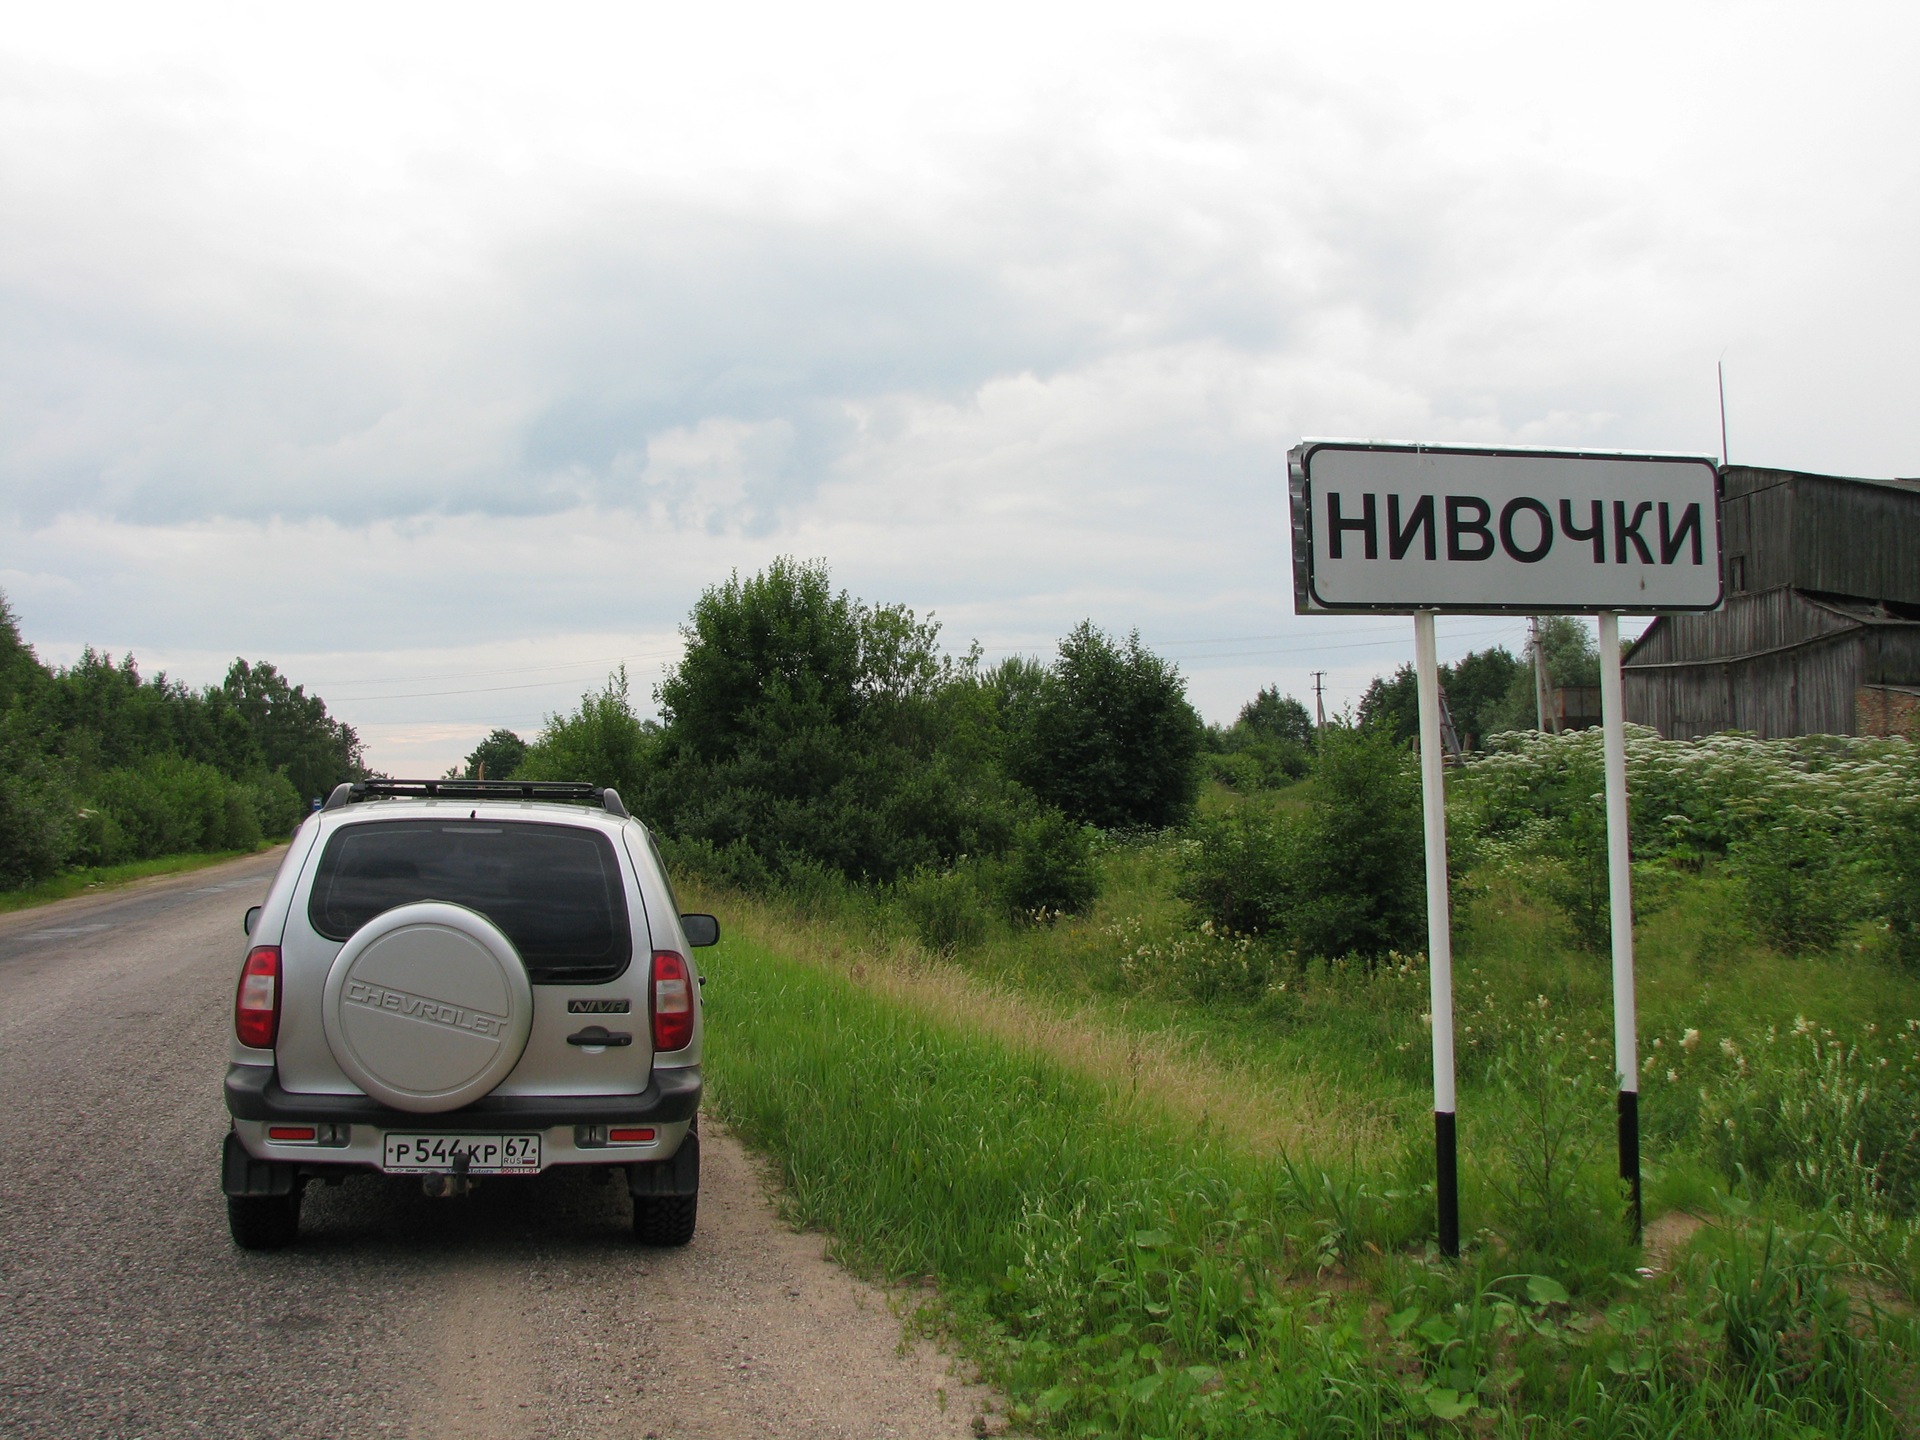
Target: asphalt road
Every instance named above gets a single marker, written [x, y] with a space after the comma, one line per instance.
[522, 1311]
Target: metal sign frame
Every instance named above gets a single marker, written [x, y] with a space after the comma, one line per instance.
[1307, 600]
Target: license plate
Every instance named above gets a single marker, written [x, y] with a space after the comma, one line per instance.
[439, 1154]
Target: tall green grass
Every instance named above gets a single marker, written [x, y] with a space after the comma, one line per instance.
[1122, 1271]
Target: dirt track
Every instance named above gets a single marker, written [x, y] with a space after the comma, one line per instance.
[523, 1311]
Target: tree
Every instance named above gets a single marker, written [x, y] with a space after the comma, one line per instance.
[1476, 687]
[1573, 658]
[601, 743]
[808, 727]
[1269, 745]
[1109, 737]
[1391, 706]
[1573, 655]
[21, 675]
[1478, 690]
[1342, 878]
[293, 730]
[1274, 716]
[498, 756]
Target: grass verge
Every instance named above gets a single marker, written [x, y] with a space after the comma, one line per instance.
[1121, 1268]
[109, 877]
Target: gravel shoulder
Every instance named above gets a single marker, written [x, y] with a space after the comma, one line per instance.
[523, 1311]
[749, 1331]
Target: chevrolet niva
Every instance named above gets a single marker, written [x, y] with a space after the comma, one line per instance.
[456, 979]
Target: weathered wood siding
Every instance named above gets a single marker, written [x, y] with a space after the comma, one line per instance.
[1744, 625]
[1825, 533]
[1857, 538]
[1893, 653]
[1806, 690]
[1812, 563]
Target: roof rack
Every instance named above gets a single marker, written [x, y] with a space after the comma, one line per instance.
[350, 792]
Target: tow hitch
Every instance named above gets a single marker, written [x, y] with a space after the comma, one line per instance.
[445, 1187]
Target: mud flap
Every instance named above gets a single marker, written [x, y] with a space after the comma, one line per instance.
[677, 1175]
[241, 1174]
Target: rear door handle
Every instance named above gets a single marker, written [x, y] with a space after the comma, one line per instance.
[599, 1035]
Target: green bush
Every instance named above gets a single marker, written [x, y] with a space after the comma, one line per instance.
[1819, 830]
[98, 839]
[738, 864]
[948, 909]
[817, 729]
[1799, 885]
[34, 828]
[1238, 870]
[1259, 764]
[277, 805]
[1269, 745]
[1361, 887]
[1345, 878]
[1108, 735]
[1894, 858]
[1050, 867]
[169, 806]
[602, 743]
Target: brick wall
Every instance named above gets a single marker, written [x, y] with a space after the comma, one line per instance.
[1887, 710]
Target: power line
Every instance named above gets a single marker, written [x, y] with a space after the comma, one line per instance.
[427, 694]
[483, 674]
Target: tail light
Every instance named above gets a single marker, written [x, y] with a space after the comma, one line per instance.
[672, 1002]
[256, 1007]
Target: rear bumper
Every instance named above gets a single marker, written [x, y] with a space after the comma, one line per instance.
[253, 1093]
[254, 1163]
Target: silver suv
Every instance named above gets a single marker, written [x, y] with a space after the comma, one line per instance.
[454, 980]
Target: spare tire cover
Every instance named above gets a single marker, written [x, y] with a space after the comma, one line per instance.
[427, 1007]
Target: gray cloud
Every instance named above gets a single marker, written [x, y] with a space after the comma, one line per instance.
[282, 393]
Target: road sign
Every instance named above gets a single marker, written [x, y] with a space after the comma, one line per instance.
[1422, 529]
[1455, 529]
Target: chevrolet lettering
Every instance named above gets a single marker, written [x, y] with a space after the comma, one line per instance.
[418, 1007]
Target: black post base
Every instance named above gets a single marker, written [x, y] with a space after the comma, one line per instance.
[1446, 1182]
[1630, 1155]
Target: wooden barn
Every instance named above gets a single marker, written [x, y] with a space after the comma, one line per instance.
[1820, 632]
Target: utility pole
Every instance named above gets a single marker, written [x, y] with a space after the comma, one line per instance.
[1542, 703]
[1319, 705]
[1449, 737]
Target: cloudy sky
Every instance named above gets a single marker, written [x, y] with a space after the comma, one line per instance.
[443, 354]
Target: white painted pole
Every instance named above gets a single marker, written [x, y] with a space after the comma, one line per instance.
[1433, 797]
[1626, 1045]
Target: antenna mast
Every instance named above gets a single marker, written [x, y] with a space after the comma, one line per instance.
[1721, 367]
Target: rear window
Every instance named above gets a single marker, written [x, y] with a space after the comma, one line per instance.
[555, 890]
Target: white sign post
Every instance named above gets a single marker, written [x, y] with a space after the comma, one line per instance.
[1433, 806]
[1429, 529]
[1626, 1038]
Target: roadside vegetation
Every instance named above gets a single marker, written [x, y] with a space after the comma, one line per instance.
[1141, 1094]
[90, 878]
[102, 768]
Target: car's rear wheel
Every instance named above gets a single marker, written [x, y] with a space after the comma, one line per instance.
[664, 1219]
[264, 1222]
